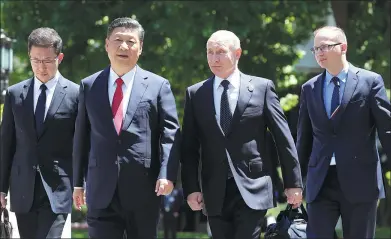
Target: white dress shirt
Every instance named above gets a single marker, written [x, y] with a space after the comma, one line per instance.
[232, 92]
[51, 86]
[128, 79]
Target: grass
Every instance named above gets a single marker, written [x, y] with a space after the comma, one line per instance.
[380, 234]
[79, 233]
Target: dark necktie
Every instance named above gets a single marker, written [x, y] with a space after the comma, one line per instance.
[225, 111]
[335, 97]
[40, 110]
[225, 116]
[116, 106]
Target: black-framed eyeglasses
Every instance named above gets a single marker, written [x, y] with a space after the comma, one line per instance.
[323, 48]
[45, 62]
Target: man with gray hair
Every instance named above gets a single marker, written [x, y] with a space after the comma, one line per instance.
[126, 140]
[36, 141]
[341, 110]
[224, 126]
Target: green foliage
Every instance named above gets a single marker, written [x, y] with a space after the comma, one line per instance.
[1, 112]
[176, 35]
[177, 31]
[289, 101]
[368, 33]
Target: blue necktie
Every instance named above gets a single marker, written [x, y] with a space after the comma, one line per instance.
[225, 111]
[335, 97]
[40, 110]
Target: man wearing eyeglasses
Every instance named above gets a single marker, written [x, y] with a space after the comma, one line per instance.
[341, 110]
[36, 141]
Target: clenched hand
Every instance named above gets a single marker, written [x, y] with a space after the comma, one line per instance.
[195, 201]
[294, 196]
[78, 198]
[163, 187]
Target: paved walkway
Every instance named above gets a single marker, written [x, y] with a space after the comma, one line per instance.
[65, 234]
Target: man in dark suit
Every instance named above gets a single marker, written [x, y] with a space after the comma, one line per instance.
[225, 123]
[36, 141]
[340, 112]
[126, 140]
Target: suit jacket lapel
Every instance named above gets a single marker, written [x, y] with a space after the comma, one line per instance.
[245, 92]
[28, 104]
[101, 98]
[139, 87]
[58, 96]
[350, 87]
[319, 94]
[210, 110]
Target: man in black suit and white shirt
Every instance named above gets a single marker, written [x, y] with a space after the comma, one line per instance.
[36, 141]
[225, 123]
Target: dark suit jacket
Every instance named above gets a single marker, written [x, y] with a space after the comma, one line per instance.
[351, 134]
[257, 108]
[22, 151]
[146, 149]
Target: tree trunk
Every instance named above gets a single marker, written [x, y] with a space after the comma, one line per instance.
[340, 11]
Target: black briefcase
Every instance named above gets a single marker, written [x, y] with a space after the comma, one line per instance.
[5, 224]
[290, 223]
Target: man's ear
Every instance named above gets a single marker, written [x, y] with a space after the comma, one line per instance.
[60, 57]
[238, 53]
[107, 44]
[344, 48]
[141, 48]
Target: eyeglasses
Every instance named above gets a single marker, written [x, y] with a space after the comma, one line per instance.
[45, 62]
[323, 48]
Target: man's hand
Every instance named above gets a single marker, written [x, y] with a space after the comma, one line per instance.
[294, 196]
[195, 201]
[3, 200]
[78, 198]
[163, 187]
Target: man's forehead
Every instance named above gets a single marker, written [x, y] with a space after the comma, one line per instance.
[42, 51]
[123, 31]
[216, 43]
[326, 35]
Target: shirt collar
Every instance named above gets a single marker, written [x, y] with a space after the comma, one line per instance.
[342, 75]
[127, 78]
[50, 84]
[234, 80]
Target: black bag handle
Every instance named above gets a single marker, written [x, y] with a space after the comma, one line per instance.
[302, 208]
[5, 214]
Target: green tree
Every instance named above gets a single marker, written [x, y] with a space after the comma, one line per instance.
[368, 29]
[176, 35]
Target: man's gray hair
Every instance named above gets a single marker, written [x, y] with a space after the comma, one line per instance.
[228, 37]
